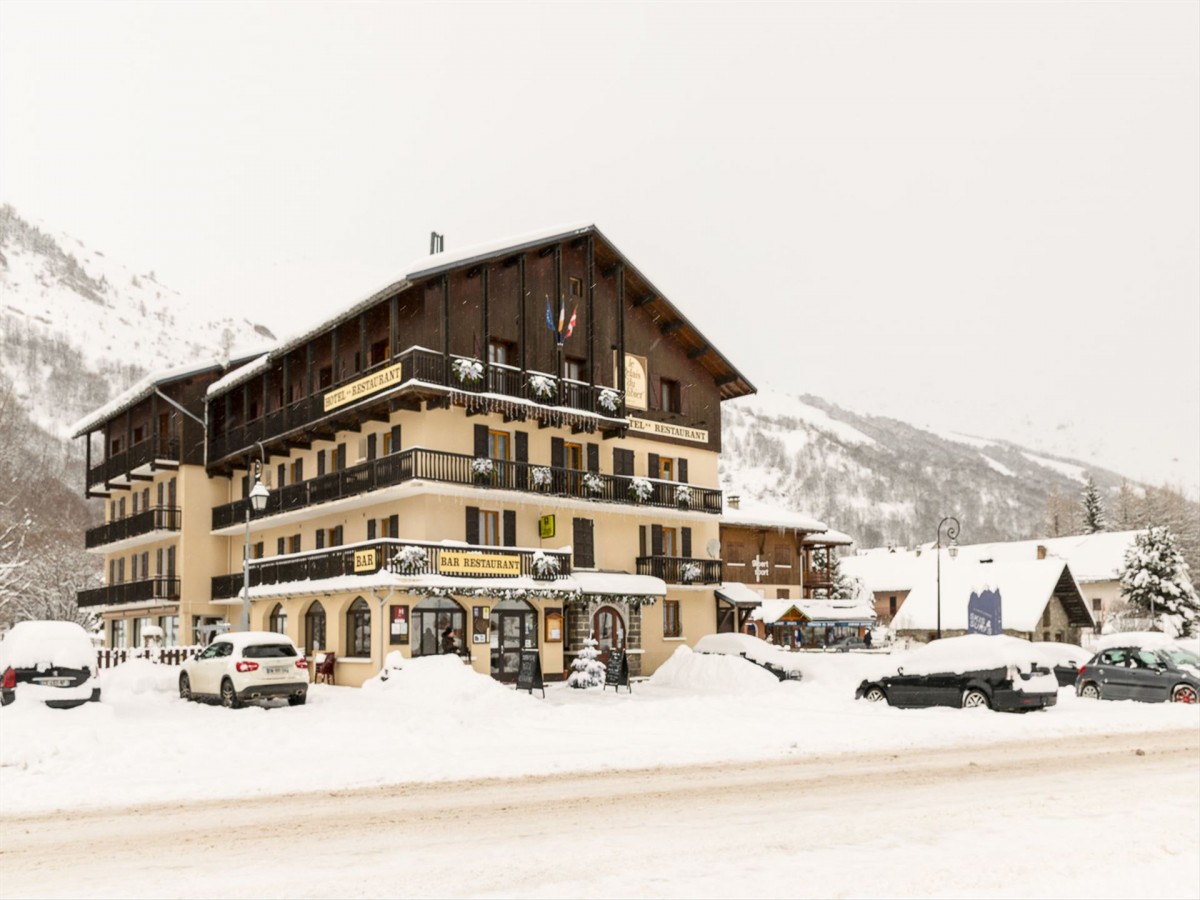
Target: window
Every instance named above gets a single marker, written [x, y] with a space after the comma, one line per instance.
[783, 556]
[575, 285]
[133, 576]
[170, 627]
[278, 620]
[783, 594]
[325, 377]
[499, 443]
[669, 396]
[116, 447]
[1045, 635]
[1096, 606]
[379, 351]
[574, 369]
[314, 627]
[573, 455]
[501, 353]
[136, 499]
[670, 541]
[892, 605]
[489, 528]
[666, 469]
[297, 471]
[736, 554]
[293, 544]
[257, 551]
[358, 629]
[671, 624]
[139, 434]
[118, 633]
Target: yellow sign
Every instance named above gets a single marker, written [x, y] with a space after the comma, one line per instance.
[364, 561]
[546, 527]
[356, 389]
[458, 562]
[637, 382]
[664, 429]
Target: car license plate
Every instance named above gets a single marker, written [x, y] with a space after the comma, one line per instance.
[54, 682]
[276, 670]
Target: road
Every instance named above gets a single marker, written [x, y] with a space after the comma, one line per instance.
[1109, 815]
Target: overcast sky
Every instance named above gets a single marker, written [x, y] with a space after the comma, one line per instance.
[980, 216]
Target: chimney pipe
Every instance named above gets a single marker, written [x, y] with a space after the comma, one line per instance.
[734, 501]
[437, 243]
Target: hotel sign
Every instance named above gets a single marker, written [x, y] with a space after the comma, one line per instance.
[665, 429]
[364, 561]
[637, 382]
[355, 390]
[457, 562]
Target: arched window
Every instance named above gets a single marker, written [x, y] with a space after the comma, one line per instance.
[314, 627]
[278, 620]
[430, 620]
[358, 628]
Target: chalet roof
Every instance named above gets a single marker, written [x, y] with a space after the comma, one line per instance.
[143, 389]
[763, 516]
[733, 383]
[829, 537]
[818, 611]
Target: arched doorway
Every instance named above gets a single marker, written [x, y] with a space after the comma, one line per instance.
[608, 628]
[314, 628]
[514, 628]
[278, 620]
[431, 617]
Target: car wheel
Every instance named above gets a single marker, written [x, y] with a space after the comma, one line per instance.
[297, 701]
[1184, 693]
[1090, 691]
[874, 695]
[185, 687]
[974, 699]
[229, 697]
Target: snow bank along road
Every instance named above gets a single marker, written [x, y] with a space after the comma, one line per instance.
[1101, 815]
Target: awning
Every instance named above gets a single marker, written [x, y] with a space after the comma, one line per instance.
[620, 584]
[739, 594]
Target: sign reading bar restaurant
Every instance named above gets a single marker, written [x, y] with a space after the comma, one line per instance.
[457, 562]
[364, 561]
[354, 390]
[665, 429]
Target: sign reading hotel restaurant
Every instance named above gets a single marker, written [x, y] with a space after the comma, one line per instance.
[637, 382]
[364, 561]
[457, 562]
[665, 429]
[369, 385]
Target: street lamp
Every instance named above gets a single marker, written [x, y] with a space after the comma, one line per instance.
[258, 502]
[952, 534]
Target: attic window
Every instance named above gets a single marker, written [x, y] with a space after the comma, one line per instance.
[669, 396]
[576, 286]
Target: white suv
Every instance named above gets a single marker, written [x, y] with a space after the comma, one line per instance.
[246, 665]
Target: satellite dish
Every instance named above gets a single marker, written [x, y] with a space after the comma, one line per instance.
[714, 548]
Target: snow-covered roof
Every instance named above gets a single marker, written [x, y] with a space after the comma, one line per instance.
[1025, 589]
[815, 610]
[738, 593]
[967, 653]
[830, 537]
[141, 390]
[752, 647]
[384, 580]
[886, 570]
[620, 583]
[760, 515]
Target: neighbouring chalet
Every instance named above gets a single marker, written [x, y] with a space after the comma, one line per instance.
[517, 441]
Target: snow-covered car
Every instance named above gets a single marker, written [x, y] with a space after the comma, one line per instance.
[974, 670]
[1146, 666]
[1063, 659]
[53, 662]
[778, 662]
[244, 666]
[846, 644]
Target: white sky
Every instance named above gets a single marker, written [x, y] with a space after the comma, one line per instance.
[981, 216]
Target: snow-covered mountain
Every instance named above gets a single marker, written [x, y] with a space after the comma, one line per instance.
[77, 327]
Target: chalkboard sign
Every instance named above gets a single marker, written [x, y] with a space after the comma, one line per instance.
[616, 672]
[529, 676]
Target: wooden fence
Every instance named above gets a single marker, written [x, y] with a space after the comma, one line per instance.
[167, 656]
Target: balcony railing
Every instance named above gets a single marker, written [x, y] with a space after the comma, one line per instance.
[456, 468]
[681, 569]
[159, 588]
[138, 455]
[426, 366]
[157, 518]
[367, 558]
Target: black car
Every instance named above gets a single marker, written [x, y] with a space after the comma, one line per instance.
[1005, 679]
[1137, 672]
[52, 662]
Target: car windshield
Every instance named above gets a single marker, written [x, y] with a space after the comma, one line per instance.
[268, 651]
[1180, 657]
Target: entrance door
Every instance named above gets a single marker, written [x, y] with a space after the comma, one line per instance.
[608, 628]
[514, 628]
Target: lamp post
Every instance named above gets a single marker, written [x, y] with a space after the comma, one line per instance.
[258, 502]
[952, 534]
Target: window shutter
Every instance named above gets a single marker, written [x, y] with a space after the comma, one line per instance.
[593, 457]
[642, 540]
[245, 490]
[655, 392]
[481, 440]
[395, 438]
[394, 525]
[684, 390]
[583, 544]
[161, 485]
[158, 570]
[556, 452]
[686, 541]
[622, 461]
[510, 528]
[320, 538]
[656, 540]
[279, 547]
[370, 446]
[472, 530]
[337, 536]
[341, 458]
[282, 471]
[320, 463]
[370, 529]
[652, 466]
[299, 470]
[681, 470]
[170, 562]
[522, 451]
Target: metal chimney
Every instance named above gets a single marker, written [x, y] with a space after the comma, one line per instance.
[437, 242]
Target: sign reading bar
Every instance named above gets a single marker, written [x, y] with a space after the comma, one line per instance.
[637, 382]
[457, 562]
[354, 390]
[364, 561]
[665, 429]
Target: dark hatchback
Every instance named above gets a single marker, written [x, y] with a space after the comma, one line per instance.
[1154, 674]
[53, 662]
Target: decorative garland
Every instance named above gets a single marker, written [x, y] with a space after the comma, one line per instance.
[568, 595]
[627, 599]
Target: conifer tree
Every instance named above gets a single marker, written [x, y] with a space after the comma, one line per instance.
[586, 670]
[1093, 508]
[1154, 578]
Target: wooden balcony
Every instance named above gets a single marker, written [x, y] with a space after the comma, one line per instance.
[681, 569]
[159, 588]
[150, 452]
[158, 518]
[456, 468]
[368, 558]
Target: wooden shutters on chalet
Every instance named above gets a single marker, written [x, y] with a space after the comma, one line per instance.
[593, 457]
[370, 529]
[510, 528]
[507, 532]
[472, 525]
[371, 442]
[681, 470]
[481, 441]
[685, 542]
[583, 543]
[655, 545]
[522, 450]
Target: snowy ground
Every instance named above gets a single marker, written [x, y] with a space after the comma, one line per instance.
[438, 720]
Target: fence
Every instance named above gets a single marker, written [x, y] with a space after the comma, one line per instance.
[167, 656]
